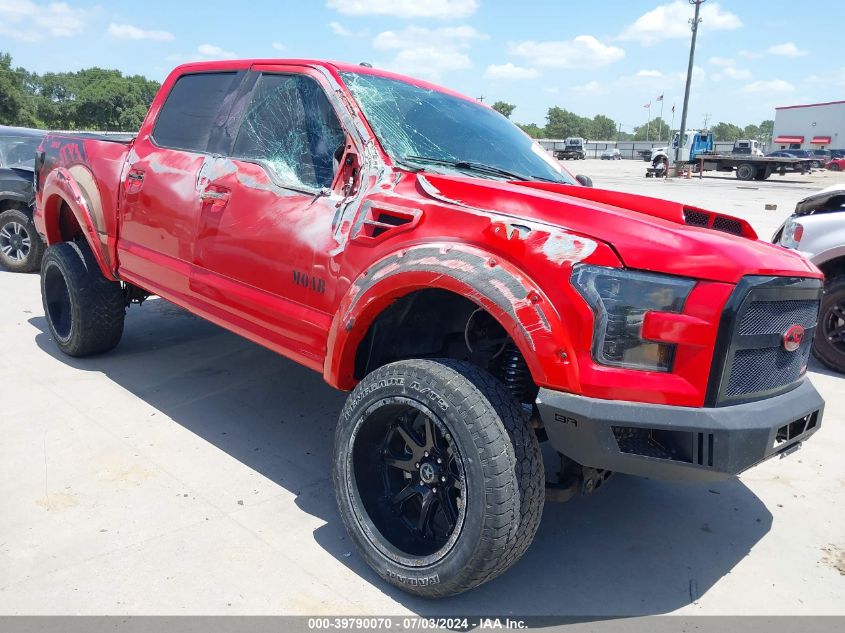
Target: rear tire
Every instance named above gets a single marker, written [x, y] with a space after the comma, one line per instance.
[484, 500]
[829, 341]
[21, 248]
[746, 171]
[84, 310]
[833, 167]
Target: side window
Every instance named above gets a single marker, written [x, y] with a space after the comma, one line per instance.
[189, 114]
[291, 128]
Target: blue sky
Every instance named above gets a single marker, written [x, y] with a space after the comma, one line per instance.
[608, 57]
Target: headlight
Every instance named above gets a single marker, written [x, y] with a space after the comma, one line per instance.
[792, 234]
[620, 300]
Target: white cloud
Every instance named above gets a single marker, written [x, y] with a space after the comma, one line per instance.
[834, 78]
[278, 46]
[341, 31]
[649, 73]
[722, 61]
[428, 52]
[129, 32]
[210, 51]
[30, 22]
[787, 49]
[584, 51]
[590, 89]
[671, 21]
[750, 54]
[736, 73]
[510, 71]
[773, 86]
[443, 9]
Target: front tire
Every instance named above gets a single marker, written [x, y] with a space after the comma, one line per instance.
[21, 248]
[84, 310]
[438, 476]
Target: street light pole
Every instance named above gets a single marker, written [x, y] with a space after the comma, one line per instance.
[695, 22]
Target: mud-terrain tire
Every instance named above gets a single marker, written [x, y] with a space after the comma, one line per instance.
[84, 310]
[746, 171]
[21, 248]
[491, 463]
[831, 326]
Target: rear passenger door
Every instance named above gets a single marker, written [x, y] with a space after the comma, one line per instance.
[160, 208]
[265, 237]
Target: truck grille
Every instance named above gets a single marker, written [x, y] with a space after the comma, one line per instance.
[751, 361]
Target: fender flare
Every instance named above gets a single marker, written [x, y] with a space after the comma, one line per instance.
[60, 187]
[496, 285]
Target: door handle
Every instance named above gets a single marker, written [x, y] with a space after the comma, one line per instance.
[134, 181]
[214, 198]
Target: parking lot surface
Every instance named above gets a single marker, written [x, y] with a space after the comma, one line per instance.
[188, 472]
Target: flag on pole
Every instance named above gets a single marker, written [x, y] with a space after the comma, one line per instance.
[673, 108]
[648, 105]
[660, 98]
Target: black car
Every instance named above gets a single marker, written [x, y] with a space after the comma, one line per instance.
[815, 161]
[20, 246]
[781, 153]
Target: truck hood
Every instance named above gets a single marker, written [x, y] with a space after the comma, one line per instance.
[647, 233]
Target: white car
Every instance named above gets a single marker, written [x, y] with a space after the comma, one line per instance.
[611, 154]
[817, 230]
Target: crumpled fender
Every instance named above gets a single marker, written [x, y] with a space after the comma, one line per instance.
[76, 187]
[498, 286]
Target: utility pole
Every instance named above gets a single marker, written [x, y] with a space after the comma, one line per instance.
[481, 98]
[694, 22]
[707, 116]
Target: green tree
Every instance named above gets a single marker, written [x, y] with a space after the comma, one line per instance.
[533, 130]
[767, 130]
[603, 128]
[563, 123]
[95, 98]
[505, 109]
[726, 132]
[16, 106]
[655, 130]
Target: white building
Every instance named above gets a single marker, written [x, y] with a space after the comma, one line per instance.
[811, 126]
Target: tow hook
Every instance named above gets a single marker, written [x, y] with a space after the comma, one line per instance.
[575, 480]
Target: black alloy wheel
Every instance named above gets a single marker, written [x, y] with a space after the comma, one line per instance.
[411, 479]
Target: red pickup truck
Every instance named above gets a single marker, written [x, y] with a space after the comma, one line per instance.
[416, 248]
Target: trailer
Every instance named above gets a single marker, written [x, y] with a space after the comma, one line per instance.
[744, 160]
[750, 167]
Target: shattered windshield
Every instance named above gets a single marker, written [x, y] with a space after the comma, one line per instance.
[428, 128]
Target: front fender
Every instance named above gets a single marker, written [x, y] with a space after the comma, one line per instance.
[76, 188]
[498, 286]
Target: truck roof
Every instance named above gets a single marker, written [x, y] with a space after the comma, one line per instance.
[333, 66]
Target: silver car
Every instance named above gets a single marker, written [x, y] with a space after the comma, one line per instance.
[817, 230]
[611, 154]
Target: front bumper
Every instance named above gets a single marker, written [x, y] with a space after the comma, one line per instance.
[669, 442]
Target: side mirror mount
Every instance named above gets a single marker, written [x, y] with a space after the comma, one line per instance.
[584, 180]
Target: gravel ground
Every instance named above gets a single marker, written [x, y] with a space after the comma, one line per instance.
[187, 472]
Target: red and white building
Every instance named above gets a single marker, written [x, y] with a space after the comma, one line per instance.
[811, 126]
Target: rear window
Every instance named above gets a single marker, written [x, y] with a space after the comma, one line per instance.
[17, 150]
[190, 112]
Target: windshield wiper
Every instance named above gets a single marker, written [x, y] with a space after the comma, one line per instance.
[466, 165]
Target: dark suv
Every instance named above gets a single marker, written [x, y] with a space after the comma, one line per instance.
[20, 246]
